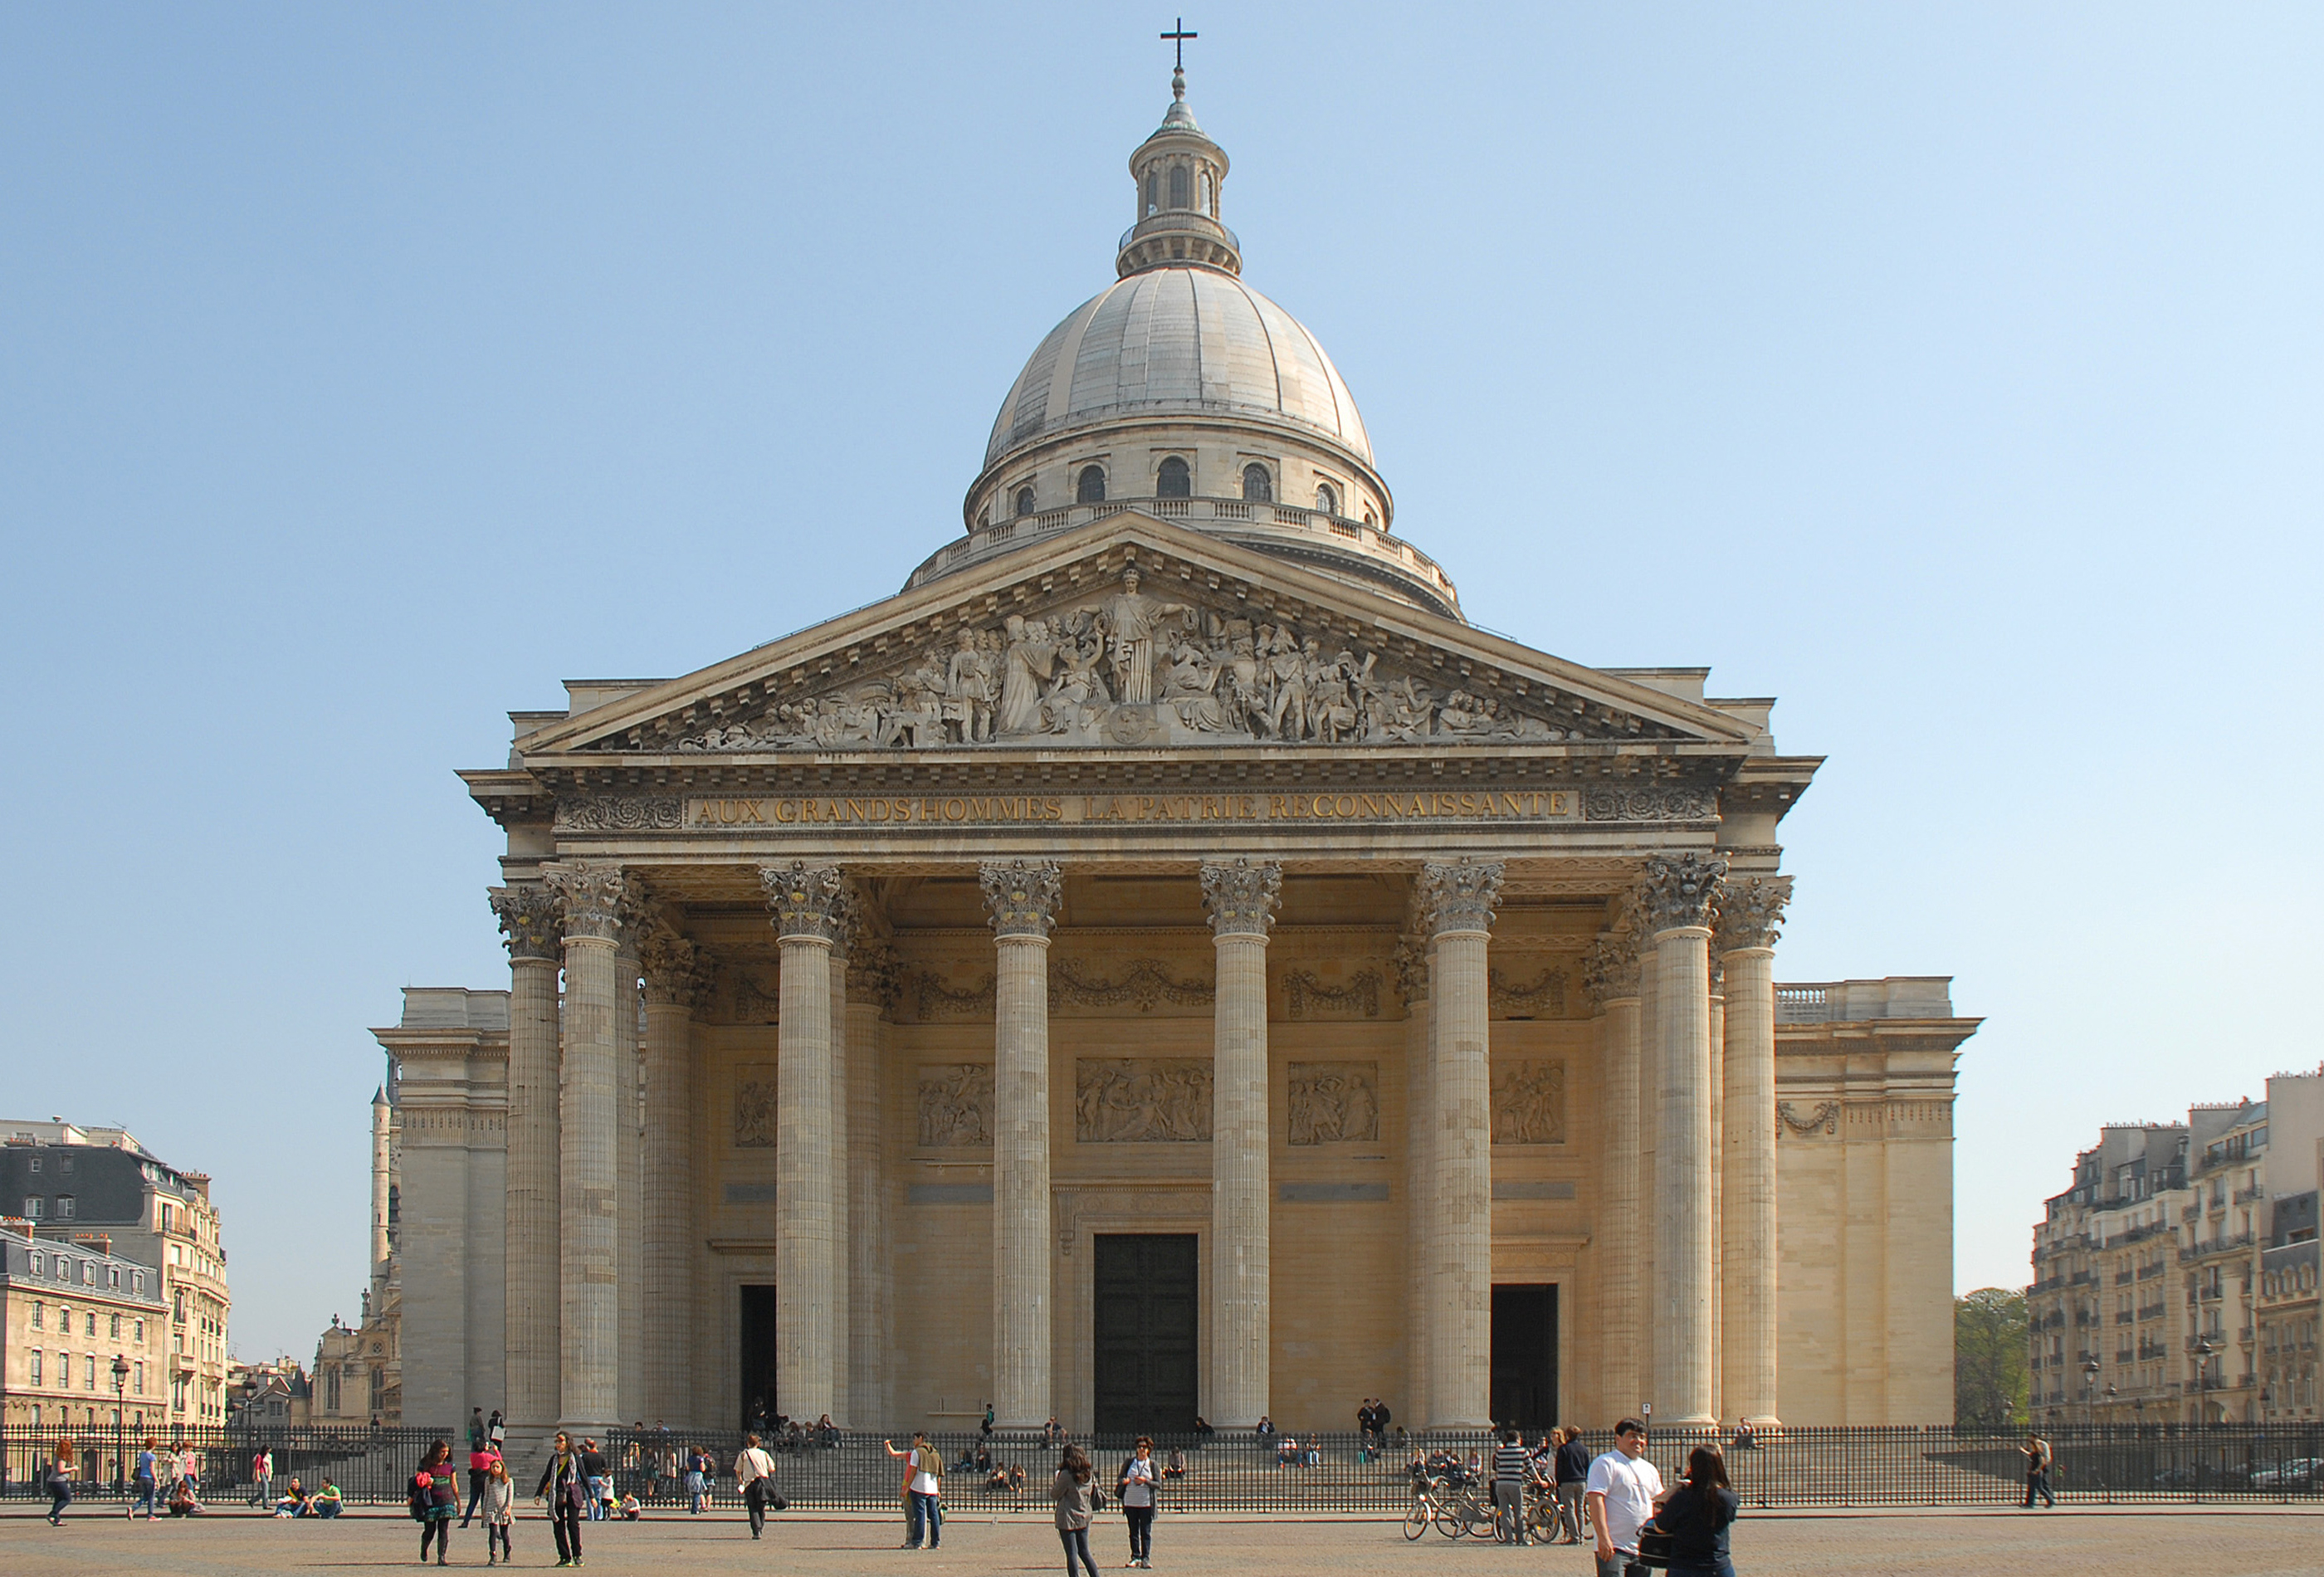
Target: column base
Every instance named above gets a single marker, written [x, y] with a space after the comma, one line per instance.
[1692, 1423]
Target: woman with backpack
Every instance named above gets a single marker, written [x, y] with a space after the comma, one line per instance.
[60, 1483]
[1077, 1499]
[565, 1485]
[436, 1500]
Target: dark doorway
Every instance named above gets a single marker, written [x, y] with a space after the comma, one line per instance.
[1524, 1356]
[1147, 1356]
[758, 1366]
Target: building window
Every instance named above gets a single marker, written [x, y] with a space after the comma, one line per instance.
[141, 1330]
[137, 1284]
[115, 1331]
[35, 1207]
[88, 1366]
[1025, 500]
[40, 1315]
[1181, 186]
[112, 1277]
[1090, 486]
[1369, 521]
[64, 1207]
[36, 1375]
[141, 1377]
[36, 1164]
[1176, 479]
[1210, 204]
[91, 1318]
[1153, 191]
[1326, 499]
[1257, 486]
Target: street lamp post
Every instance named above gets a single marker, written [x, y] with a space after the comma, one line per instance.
[120, 1404]
[2090, 1390]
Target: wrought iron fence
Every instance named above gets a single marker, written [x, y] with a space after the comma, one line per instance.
[1338, 1473]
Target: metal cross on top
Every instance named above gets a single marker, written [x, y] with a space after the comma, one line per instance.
[1178, 39]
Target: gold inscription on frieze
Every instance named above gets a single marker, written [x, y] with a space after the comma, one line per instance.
[996, 810]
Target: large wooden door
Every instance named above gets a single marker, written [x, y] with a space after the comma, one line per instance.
[1148, 1358]
[1524, 1356]
[758, 1351]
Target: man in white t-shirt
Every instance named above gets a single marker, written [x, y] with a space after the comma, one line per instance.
[754, 1473]
[1622, 1493]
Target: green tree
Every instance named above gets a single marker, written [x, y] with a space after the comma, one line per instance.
[1990, 1359]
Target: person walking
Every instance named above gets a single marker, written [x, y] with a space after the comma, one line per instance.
[923, 1491]
[1075, 1495]
[481, 1457]
[1136, 1485]
[2038, 1460]
[1697, 1517]
[565, 1486]
[1571, 1470]
[1621, 1493]
[435, 1499]
[500, 1511]
[59, 1480]
[146, 1481]
[754, 1471]
[262, 1478]
[698, 1469]
[601, 1479]
[1511, 1465]
[496, 1433]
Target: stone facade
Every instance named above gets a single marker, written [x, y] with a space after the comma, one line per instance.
[2176, 1280]
[68, 1312]
[1168, 863]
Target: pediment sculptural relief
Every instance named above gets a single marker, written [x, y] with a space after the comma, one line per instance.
[1133, 668]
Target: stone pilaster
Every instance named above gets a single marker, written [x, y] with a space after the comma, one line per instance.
[1613, 982]
[806, 902]
[588, 1171]
[1242, 896]
[1680, 898]
[873, 974]
[1458, 898]
[1023, 896]
[1413, 963]
[533, 921]
[677, 979]
[1750, 918]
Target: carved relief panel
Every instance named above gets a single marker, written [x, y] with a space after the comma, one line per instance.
[1142, 1100]
[956, 1106]
[1529, 1100]
[754, 1106]
[1334, 1103]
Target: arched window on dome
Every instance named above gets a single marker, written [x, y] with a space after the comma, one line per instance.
[1210, 199]
[1089, 487]
[1025, 500]
[1153, 193]
[1326, 498]
[1173, 480]
[1372, 519]
[1257, 486]
[1182, 194]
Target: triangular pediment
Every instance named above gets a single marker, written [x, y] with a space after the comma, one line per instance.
[1051, 648]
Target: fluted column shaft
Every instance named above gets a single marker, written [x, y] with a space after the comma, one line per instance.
[1242, 896]
[629, 1153]
[806, 1232]
[1681, 902]
[533, 918]
[842, 1303]
[1413, 961]
[1459, 897]
[588, 1170]
[1621, 1387]
[1022, 896]
[868, 1268]
[1751, 912]
[675, 977]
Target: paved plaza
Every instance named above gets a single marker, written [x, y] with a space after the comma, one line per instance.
[2239, 1542]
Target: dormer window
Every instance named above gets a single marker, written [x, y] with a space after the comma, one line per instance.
[1089, 487]
[1257, 486]
[1173, 480]
[1024, 501]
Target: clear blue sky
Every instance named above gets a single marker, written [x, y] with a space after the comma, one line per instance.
[1953, 372]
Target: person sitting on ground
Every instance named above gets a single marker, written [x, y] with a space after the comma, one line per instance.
[627, 1508]
[1203, 1430]
[1746, 1437]
[1265, 1426]
[1314, 1450]
[1016, 1478]
[325, 1502]
[983, 1458]
[293, 1502]
[997, 1479]
[182, 1500]
[1286, 1451]
[1176, 1468]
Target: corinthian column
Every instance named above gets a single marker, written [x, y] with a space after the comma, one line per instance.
[1413, 953]
[628, 1143]
[1242, 897]
[534, 923]
[844, 925]
[1458, 899]
[806, 901]
[677, 977]
[872, 975]
[1750, 915]
[588, 1192]
[1023, 896]
[1681, 900]
[1614, 984]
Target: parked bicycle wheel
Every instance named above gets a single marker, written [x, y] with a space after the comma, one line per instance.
[1449, 1520]
[1416, 1520]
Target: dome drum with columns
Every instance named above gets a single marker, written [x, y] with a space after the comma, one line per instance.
[1167, 863]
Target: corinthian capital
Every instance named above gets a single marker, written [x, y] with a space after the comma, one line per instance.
[1751, 912]
[531, 918]
[1681, 890]
[1459, 894]
[1611, 972]
[1022, 895]
[806, 899]
[678, 972]
[594, 891]
[1243, 895]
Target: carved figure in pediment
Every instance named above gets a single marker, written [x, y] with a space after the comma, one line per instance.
[1286, 674]
[1189, 686]
[1079, 692]
[1132, 625]
[1030, 656]
[971, 682]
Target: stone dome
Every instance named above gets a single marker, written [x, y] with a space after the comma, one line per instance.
[1185, 340]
